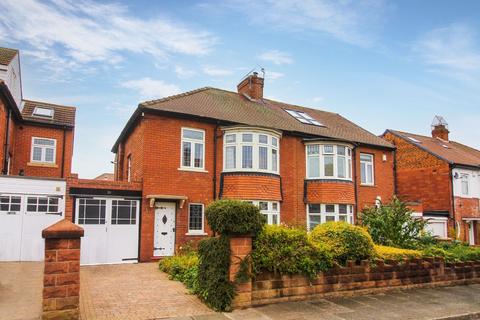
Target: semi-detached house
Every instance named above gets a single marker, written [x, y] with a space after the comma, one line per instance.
[35, 160]
[443, 177]
[301, 166]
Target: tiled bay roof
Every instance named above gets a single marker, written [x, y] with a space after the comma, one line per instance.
[450, 151]
[230, 107]
[62, 115]
[7, 55]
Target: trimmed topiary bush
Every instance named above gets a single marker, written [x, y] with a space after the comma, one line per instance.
[214, 285]
[347, 242]
[391, 253]
[234, 217]
[289, 250]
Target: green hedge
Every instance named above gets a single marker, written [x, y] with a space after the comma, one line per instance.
[234, 217]
[453, 252]
[348, 242]
[213, 273]
[288, 250]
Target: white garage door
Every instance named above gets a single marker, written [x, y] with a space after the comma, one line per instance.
[22, 219]
[111, 229]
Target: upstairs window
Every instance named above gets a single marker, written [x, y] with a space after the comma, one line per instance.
[43, 112]
[366, 169]
[465, 184]
[304, 117]
[193, 149]
[329, 161]
[43, 150]
[250, 151]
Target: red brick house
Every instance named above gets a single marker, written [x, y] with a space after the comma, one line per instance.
[35, 158]
[301, 166]
[443, 176]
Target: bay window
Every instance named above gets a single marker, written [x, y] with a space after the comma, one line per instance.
[250, 150]
[320, 213]
[193, 147]
[329, 161]
[271, 209]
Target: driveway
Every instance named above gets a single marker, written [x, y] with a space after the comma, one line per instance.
[134, 291]
[21, 290]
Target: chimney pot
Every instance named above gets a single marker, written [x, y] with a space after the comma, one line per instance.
[252, 86]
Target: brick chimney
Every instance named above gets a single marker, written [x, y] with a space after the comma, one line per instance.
[440, 128]
[252, 86]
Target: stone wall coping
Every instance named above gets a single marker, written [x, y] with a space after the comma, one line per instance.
[63, 229]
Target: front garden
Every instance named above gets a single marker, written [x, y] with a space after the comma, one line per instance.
[387, 233]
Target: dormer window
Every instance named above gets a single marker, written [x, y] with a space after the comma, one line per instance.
[304, 117]
[43, 112]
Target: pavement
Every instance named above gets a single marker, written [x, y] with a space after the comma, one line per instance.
[452, 303]
[142, 292]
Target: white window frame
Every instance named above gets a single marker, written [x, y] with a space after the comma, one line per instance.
[43, 147]
[465, 181]
[196, 232]
[129, 168]
[10, 203]
[270, 212]
[48, 205]
[335, 214]
[256, 145]
[366, 164]
[321, 157]
[192, 153]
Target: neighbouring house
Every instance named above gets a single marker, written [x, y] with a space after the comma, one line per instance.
[301, 166]
[441, 175]
[35, 158]
[106, 176]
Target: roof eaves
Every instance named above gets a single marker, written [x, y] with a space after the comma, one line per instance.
[128, 126]
[7, 95]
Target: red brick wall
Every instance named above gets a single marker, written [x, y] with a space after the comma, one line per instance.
[330, 192]
[384, 184]
[421, 176]
[466, 208]
[3, 128]
[23, 145]
[251, 187]
[133, 148]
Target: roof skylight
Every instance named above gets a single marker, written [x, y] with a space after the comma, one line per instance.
[43, 112]
[304, 117]
[414, 140]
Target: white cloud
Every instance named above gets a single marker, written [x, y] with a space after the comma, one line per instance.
[272, 75]
[452, 48]
[151, 89]
[276, 57]
[348, 21]
[318, 99]
[216, 71]
[183, 72]
[72, 32]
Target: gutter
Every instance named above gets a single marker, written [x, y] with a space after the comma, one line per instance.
[63, 151]
[354, 173]
[453, 199]
[215, 140]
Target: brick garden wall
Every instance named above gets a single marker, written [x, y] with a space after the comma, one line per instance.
[361, 279]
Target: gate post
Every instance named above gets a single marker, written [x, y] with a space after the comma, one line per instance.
[61, 281]
[240, 248]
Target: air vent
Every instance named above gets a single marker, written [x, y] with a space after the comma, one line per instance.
[414, 140]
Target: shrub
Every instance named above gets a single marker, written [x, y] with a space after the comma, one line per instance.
[214, 285]
[184, 268]
[289, 250]
[453, 252]
[392, 224]
[234, 217]
[391, 253]
[347, 242]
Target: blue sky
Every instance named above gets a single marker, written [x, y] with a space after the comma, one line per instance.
[380, 63]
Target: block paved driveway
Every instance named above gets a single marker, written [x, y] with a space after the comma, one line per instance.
[134, 291]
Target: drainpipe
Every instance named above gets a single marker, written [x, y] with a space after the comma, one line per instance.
[354, 173]
[6, 146]
[395, 172]
[215, 141]
[453, 201]
[63, 151]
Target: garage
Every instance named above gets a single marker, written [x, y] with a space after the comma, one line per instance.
[27, 206]
[111, 225]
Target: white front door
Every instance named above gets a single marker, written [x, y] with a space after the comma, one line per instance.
[164, 237]
[471, 233]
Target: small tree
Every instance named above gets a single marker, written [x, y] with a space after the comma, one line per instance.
[393, 225]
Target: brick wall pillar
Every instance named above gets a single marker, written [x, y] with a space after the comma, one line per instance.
[240, 248]
[61, 282]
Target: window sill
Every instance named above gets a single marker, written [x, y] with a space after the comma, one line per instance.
[42, 164]
[193, 170]
[196, 234]
[368, 185]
